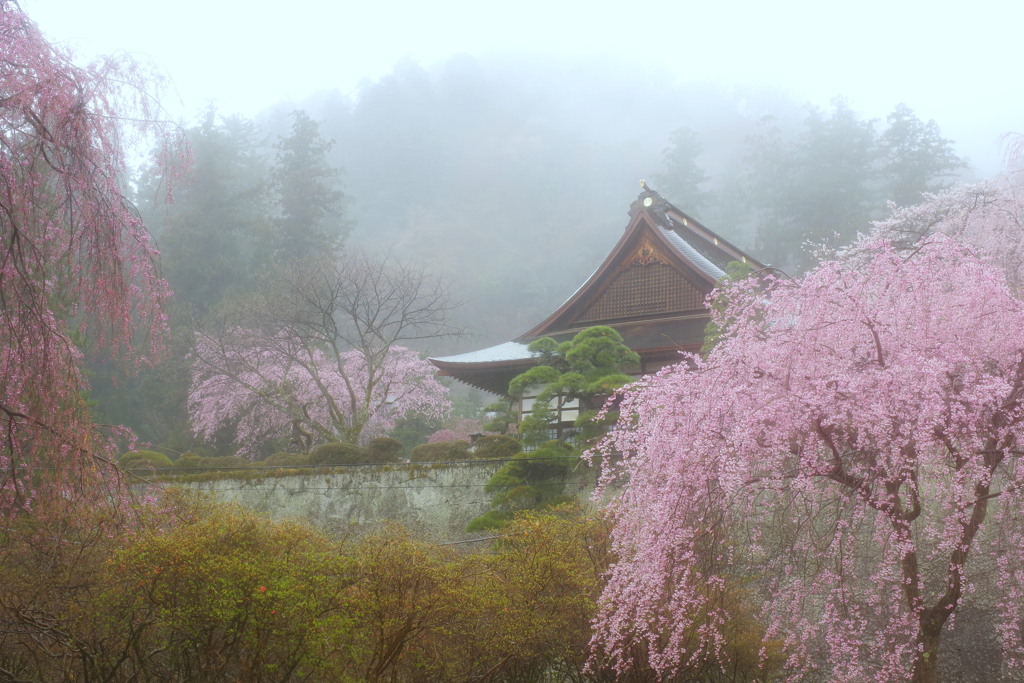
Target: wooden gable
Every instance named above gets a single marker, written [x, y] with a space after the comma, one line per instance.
[648, 282]
[645, 277]
[652, 288]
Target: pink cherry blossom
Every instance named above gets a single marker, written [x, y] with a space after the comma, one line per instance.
[839, 453]
[76, 264]
[271, 390]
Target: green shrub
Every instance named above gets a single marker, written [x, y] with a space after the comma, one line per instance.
[530, 481]
[286, 460]
[144, 460]
[188, 460]
[489, 521]
[338, 453]
[223, 461]
[200, 591]
[443, 451]
[496, 447]
[230, 596]
[385, 449]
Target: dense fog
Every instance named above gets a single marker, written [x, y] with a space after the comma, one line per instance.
[511, 179]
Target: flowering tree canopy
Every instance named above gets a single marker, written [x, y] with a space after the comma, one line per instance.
[75, 260]
[306, 393]
[988, 215]
[319, 355]
[843, 445]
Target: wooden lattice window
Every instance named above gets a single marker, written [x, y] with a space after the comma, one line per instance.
[645, 290]
[566, 410]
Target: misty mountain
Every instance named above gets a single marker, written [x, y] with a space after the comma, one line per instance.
[512, 176]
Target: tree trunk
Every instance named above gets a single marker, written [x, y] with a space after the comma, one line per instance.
[926, 666]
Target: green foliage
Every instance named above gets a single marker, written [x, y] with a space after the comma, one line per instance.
[606, 385]
[231, 596]
[490, 520]
[188, 460]
[530, 481]
[598, 351]
[138, 460]
[220, 220]
[518, 612]
[309, 224]
[590, 425]
[286, 460]
[385, 449]
[337, 453]
[546, 348]
[682, 179]
[502, 416]
[548, 569]
[713, 332]
[588, 368]
[829, 177]
[443, 451]
[538, 375]
[223, 462]
[412, 430]
[199, 591]
[496, 447]
[917, 158]
[194, 592]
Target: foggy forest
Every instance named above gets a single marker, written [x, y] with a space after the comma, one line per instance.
[511, 179]
[824, 484]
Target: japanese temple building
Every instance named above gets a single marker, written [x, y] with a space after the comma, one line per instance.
[651, 288]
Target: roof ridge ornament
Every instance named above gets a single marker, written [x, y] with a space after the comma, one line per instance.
[646, 254]
[648, 199]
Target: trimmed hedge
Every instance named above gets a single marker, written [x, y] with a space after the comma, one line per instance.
[338, 453]
[189, 460]
[496, 447]
[144, 460]
[229, 461]
[385, 449]
[285, 460]
[444, 451]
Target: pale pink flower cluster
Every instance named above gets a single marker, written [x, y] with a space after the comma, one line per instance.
[75, 261]
[458, 430]
[265, 392]
[988, 215]
[833, 459]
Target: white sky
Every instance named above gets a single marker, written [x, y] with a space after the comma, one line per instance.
[959, 63]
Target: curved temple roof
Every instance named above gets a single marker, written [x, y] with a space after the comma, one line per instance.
[508, 351]
[651, 288]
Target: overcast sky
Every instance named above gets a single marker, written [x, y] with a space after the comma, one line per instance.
[959, 63]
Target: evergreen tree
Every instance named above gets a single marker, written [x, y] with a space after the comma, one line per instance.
[836, 178]
[767, 182]
[817, 189]
[917, 158]
[582, 372]
[213, 242]
[683, 177]
[309, 203]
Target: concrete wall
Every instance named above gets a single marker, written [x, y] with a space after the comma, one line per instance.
[434, 501]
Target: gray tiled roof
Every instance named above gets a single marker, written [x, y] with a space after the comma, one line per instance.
[509, 351]
[691, 254]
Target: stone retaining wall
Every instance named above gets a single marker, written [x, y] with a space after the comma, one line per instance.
[433, 501]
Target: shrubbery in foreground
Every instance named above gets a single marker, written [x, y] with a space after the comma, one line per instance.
[212, 593]
[204, 592]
